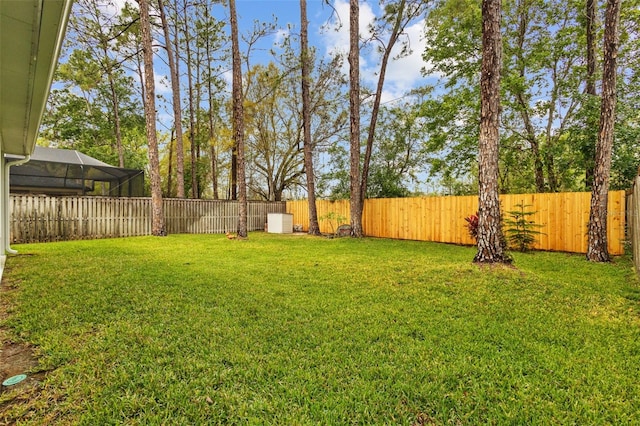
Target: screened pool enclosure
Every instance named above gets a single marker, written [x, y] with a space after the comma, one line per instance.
[54, 171]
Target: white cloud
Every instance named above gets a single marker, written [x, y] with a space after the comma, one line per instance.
[336, 36]
[227, 76]
[163, 83]
[281, 35]
[114, 7]
[402, 74]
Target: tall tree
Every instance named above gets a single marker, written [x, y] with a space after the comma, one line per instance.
[212, 43]
[251, 40]
[238, 121]
[355, 202]
[95, 66]
[175, 91]
[157, 217]
[490, 238]
[96, 31]
[192, 106]
[542, 91]
[522, 97]
[274, 133]
[590, 88]
[386, 32]
[93, 107]
[597, 250]
[314, 227]
[397, 15]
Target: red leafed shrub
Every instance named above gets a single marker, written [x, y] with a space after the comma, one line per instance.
[472, 225]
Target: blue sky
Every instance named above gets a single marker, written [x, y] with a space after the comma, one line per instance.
[402, 75]
[327, 36]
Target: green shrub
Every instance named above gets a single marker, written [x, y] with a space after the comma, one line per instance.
[334, 219]
[472, 225]
[521, 232]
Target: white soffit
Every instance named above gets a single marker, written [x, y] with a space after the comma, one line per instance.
[31, 35]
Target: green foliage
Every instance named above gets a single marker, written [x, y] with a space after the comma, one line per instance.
[197, 329]
[548, 126]
[398, 154]
[472, 225]
[84, 120]
[334, 183]
[452, 150]
[334, 219]
[521, 231]
[273, 119]
[397, 159]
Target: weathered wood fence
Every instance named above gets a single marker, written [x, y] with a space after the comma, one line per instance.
[564, 218]
[633, 221]
[43, 218]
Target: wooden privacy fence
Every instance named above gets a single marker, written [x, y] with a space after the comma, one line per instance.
[633, 221]
[40, 218]
[564, 218]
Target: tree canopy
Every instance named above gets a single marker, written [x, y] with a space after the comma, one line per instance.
[423, 141]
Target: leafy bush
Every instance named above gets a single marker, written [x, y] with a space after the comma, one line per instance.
[472, 225]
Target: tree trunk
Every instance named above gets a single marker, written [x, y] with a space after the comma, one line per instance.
[551, 173]
[212, 109]
[214, 172]
[192, 136]
[175, 90]
[590, 86]
[116, 121]
[238, 121]
[523, 103]
[533, 141]
[356, 203]
[597, 250]
[140, 70]
[157, 221]
[170, 166]
[397, 28]
[314, 227]
[490, 240]
[197, 123]
[234, 172]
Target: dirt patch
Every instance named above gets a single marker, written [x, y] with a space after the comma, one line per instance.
[15, 358]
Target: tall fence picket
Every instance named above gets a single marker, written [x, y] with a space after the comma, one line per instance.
[564, 218]
[40, 218]
[633, 221]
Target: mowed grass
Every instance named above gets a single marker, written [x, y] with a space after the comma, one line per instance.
[292, 330]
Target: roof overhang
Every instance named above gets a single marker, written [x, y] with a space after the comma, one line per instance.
[31, 35]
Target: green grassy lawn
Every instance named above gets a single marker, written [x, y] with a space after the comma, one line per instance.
[299, 330]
